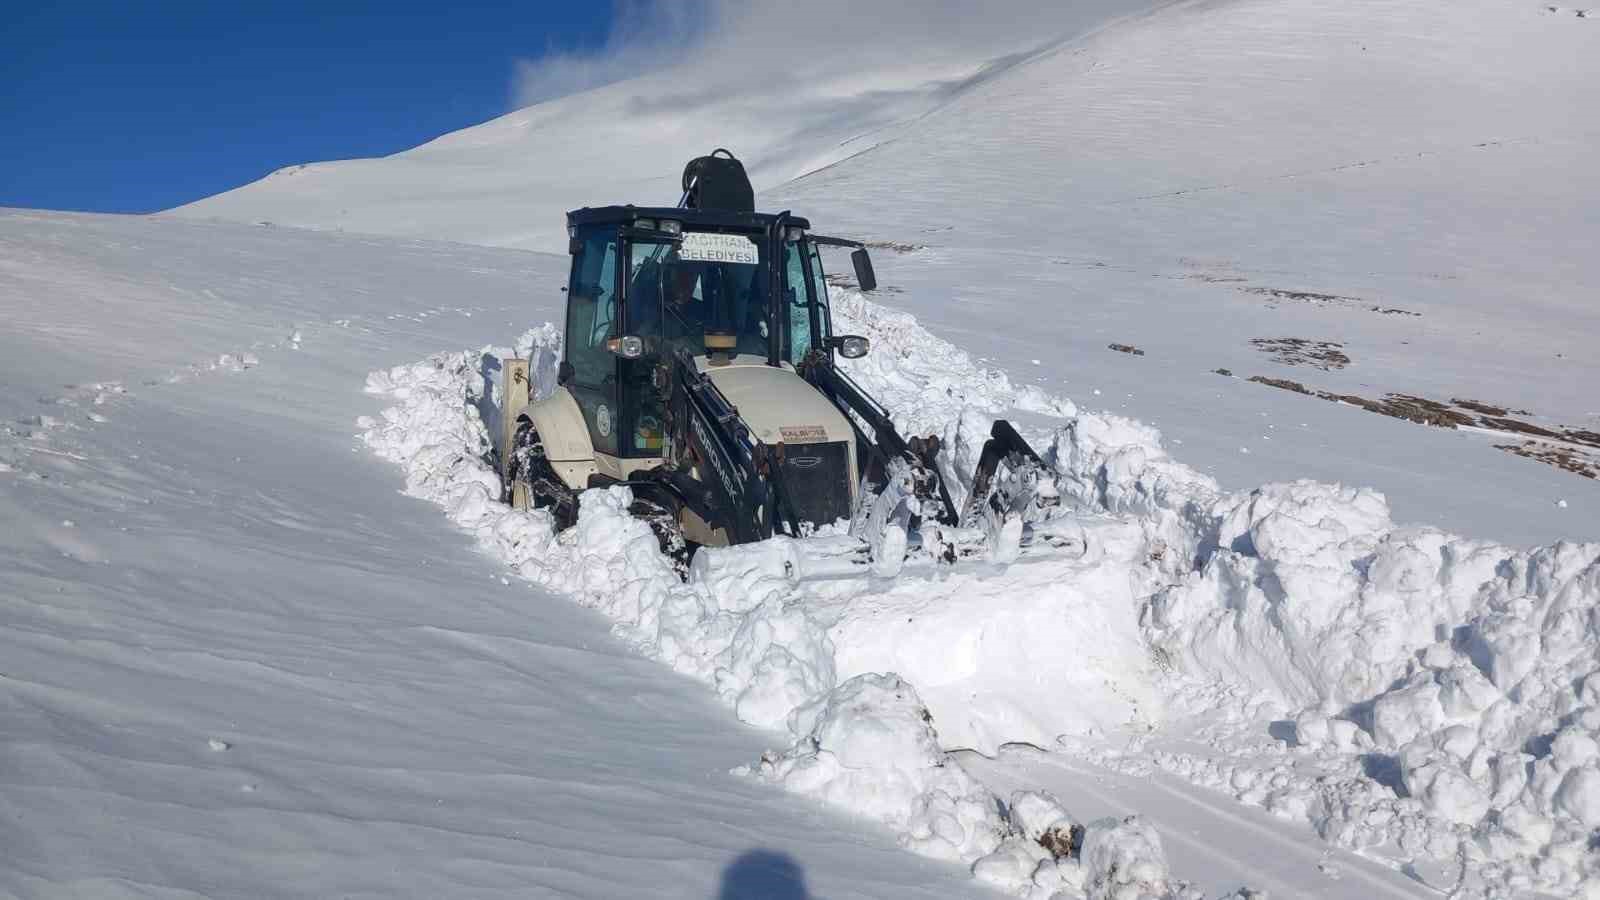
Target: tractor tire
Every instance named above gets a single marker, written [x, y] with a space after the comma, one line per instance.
[663, 521]
[532, 470]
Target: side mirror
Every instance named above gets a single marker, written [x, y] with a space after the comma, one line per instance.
[850, 346]
[864, 275]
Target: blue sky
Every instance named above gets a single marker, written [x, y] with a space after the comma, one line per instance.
[140, 106]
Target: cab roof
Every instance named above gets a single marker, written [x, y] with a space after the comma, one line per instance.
[623, 215]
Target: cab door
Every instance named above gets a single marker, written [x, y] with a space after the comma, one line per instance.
[806, 316]
[590, 369]
[643, 409]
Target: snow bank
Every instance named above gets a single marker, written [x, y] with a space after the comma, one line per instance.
[739, 636]
[1020, 654]
[1044, 649]
[1454, 683]
[742, 632]
[1465, 676]
[1448, 689]
[1469, 670]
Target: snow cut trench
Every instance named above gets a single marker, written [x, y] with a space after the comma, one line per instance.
[1468, 671]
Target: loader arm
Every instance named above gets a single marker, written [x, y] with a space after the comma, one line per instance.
[884, 444]
[1004, 446]
[741, 489]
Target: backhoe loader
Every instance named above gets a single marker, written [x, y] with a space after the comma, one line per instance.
[701, 369]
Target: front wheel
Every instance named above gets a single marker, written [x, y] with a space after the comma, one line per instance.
[530, 471]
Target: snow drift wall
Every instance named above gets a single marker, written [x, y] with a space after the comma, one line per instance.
[999, 660]
[1471, 670]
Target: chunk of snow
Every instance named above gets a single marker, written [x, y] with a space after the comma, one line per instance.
[1124, 860]
[1579, 796]
[874, 750]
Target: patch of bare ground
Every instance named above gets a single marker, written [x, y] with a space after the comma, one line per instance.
[1414, 409]
[845, 281]
[1062, 843]
[1581, 436]
[1460, 413]
[1565, 458]
[1303, 296]
[1399, 406]
[896, 246]
[1320, 299]
[1516, 426]
[1126, 348]
[1488, 409]
[1285, 384]
[1324, 355]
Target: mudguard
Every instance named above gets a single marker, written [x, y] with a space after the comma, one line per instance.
[559, 421]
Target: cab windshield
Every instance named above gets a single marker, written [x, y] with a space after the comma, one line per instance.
[710, 282]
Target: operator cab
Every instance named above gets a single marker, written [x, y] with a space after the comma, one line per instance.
[727, 287]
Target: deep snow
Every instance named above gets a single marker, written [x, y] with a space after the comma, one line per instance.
[231, 646]
[255, 488]
[1388, 649]
[236, 662]
[225, 648]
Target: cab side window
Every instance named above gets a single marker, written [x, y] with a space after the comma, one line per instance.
[592, 307]
[796, 303]
[820, 284]
[591, 321]
[643, 410]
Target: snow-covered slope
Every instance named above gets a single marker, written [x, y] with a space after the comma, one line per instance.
[1375, 203]
[236, 662]
[1397, 191]
[186, 529]
[1361, 199]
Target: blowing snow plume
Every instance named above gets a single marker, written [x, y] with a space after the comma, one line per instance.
[796, 93]
[789, 91]
[751, 48]
[644, 37]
